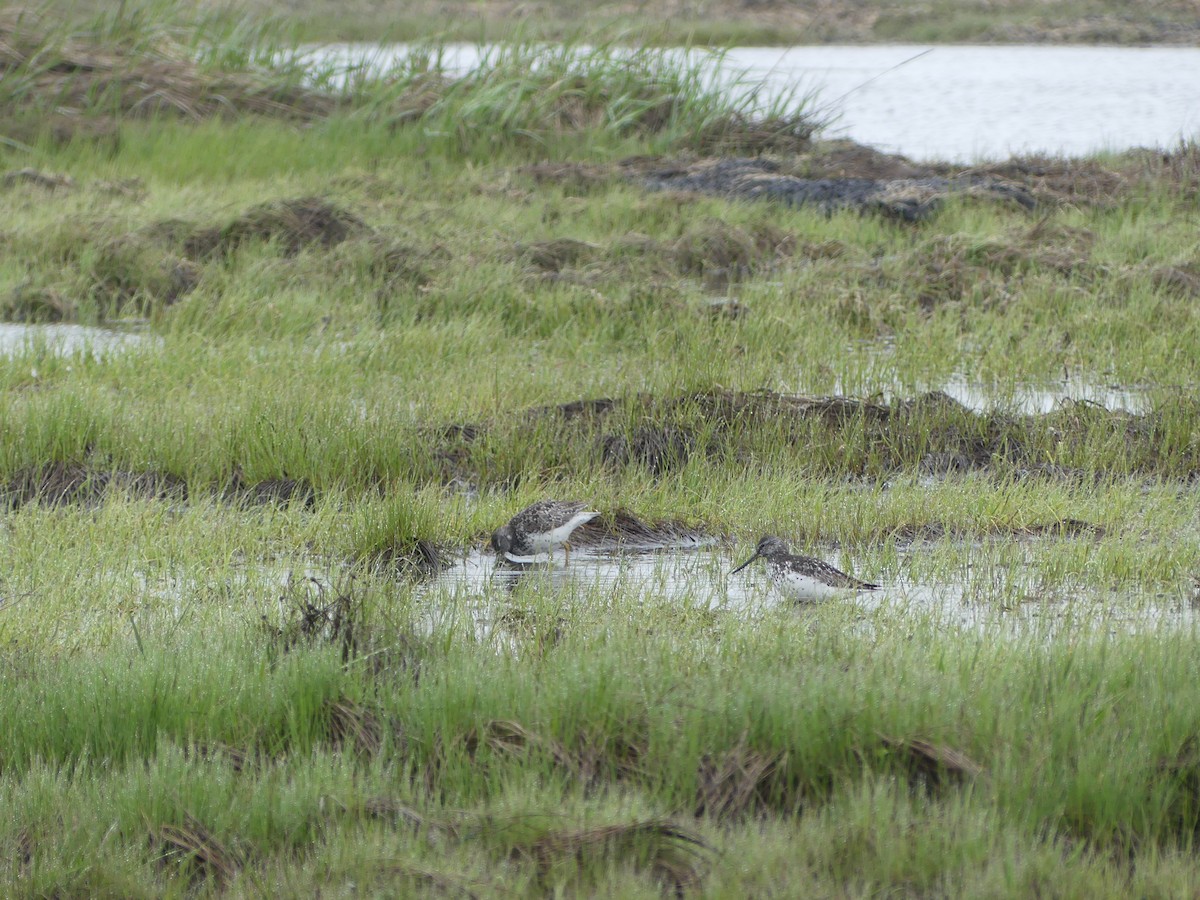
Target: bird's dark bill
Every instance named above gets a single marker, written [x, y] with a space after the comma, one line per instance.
[743, 565]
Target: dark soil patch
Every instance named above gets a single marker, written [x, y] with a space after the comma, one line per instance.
[292, 224]
[842, 174]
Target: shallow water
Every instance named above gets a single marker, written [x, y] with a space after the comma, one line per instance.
[65, 340]
[1002, 601]
[954, 103]
[1044, 397]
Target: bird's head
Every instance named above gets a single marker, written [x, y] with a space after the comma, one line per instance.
[502, 539]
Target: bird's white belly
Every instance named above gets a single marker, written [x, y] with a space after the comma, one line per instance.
[805, 588]
[548, 541]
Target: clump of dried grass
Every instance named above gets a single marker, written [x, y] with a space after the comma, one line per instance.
[932, 765]
[197, 851]
[674, 855]
[588, 759]
[737, 783]
[45, 67]
[353, 726]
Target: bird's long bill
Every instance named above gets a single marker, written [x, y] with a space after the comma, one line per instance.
[743, 565]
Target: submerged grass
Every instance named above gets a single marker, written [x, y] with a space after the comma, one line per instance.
[358, 346]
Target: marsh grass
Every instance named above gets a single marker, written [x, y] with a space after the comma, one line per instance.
[64, 80]
[472, 751]
[366, 343]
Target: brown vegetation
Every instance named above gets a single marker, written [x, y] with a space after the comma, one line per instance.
[66, 74]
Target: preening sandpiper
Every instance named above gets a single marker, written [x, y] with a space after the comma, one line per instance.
[540, 528]
[803, 578]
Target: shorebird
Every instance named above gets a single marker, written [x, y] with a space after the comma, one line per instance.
[803, 578]
[540, 528]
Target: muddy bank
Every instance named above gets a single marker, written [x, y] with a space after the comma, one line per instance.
[76, 483]
[836, 437]
[836, 175]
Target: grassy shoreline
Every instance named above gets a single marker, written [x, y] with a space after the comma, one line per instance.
[364, 338]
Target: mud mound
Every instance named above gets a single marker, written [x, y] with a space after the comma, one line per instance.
[625, 530]
[1056, 180]
[30, 303]
[130, 272]
[956, 267]
[271, 492]
[73, 483]
[906, 199]
[292, 224]
[842, 174]
[844, 437]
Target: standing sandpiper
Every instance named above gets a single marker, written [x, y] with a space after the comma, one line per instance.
[540, 528]
[803, 578]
